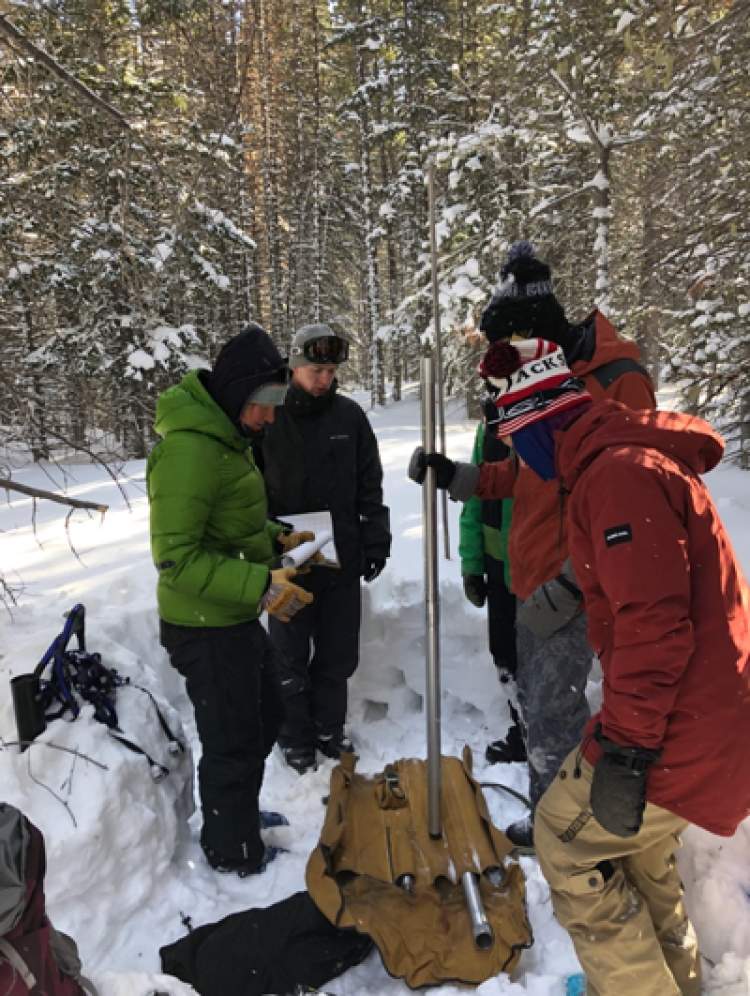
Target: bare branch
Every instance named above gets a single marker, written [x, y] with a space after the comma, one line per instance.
[4, 744]
[82, 448]
[9, 594]
[51, 496]
[51, 791]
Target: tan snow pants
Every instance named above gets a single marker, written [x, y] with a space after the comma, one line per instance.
[620, 899]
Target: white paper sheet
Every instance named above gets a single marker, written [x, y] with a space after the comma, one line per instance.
[318, 523]
[302, 553]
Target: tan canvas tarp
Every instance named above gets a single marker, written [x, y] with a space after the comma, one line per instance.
[376, 831]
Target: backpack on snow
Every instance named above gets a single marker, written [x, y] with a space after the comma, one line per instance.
[286, 948]
[77, 677]
[35, 959]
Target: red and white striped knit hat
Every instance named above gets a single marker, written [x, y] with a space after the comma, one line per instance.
[529, 380]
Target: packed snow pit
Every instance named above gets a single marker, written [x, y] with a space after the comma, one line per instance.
[128, 875]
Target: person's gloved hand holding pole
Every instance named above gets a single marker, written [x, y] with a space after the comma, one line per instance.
[618, 789]
[458, 479]
[283, 599]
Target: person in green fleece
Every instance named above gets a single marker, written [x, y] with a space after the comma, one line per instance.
[483, 549]
[216, 554]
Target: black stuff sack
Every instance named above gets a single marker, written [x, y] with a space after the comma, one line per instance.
[279, 950]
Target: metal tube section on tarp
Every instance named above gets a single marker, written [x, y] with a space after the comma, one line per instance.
[407, 883]
[480, 925]
[432, 602]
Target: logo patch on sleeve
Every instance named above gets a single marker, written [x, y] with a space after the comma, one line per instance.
[618, 534]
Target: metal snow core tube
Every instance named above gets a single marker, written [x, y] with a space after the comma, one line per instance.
[438, 341]
[432, 602]
[480, 925]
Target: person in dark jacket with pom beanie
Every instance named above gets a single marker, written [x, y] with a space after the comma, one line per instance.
[554, 656]
[216, 554]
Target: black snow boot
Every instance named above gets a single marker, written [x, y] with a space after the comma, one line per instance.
[521, 834]
[241, 866]
[334, 744]
[509, 750]
[302, 759]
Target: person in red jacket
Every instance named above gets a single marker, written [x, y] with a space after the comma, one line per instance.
[668, 614]
[553, 653]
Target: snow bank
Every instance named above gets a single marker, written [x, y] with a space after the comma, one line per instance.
[128, 876]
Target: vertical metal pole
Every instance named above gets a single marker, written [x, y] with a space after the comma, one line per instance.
[438, 343]
[432, 602]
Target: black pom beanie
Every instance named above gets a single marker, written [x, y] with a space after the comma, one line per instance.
[244, 363]
[524, 302]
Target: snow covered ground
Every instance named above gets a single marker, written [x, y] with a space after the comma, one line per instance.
[125, 869]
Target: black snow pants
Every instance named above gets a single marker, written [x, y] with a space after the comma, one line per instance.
[319, 652]
[501, 614]
[232, 680]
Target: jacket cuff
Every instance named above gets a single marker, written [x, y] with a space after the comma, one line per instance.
[464, 482]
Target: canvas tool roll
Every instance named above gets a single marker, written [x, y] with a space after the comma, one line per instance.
[376, 831]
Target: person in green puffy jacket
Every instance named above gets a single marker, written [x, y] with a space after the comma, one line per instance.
[483, 549]
[216, 553]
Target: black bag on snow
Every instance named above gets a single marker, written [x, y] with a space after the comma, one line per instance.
[277, 950]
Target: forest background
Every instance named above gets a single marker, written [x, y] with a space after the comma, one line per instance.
[208, 162]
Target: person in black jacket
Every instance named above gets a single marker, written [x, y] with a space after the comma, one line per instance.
[321, 454]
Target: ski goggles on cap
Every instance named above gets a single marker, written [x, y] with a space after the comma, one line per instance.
[272, 389]
[327, 349]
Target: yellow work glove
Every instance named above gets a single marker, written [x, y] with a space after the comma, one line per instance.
[282, 598]
[289, 541]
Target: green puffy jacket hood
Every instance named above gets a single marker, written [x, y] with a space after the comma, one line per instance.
[188, 407]
[211, 540]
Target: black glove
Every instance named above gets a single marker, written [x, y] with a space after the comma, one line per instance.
[445, 469]
[372, 567]
[458, 479]
[552, 605]
[618, 790]
[475, 589]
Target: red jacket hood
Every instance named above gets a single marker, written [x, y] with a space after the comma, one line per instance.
[683, 437]
[609, 346]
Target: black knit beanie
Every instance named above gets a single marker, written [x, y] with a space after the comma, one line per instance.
[244, 364]
[524, 302]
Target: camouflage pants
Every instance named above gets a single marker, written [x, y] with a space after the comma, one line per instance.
[552, 677]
